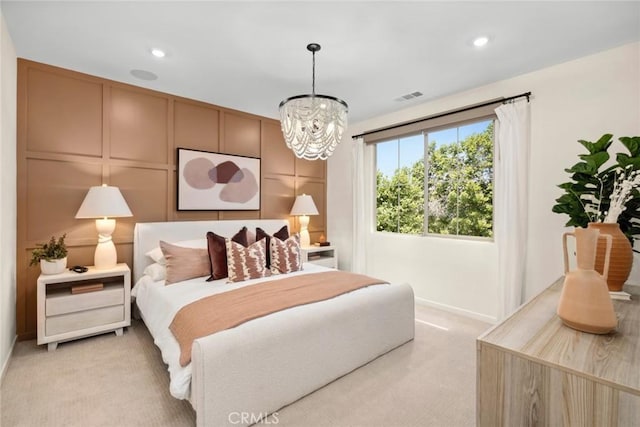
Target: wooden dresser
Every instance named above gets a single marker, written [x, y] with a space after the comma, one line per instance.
[534, 371]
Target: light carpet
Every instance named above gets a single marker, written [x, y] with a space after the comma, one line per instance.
[122, 381]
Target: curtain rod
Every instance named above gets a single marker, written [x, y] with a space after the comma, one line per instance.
[448, 113]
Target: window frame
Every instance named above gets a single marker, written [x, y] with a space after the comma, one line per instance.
[484, 116]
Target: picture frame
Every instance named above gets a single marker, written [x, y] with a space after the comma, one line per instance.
[210, 181]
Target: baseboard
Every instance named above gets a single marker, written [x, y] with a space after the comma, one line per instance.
[456, 310]
[5, 365]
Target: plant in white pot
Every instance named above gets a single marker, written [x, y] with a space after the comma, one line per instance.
[52, 256]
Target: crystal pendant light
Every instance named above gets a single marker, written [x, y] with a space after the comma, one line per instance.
[313, 124]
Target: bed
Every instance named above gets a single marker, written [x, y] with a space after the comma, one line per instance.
[241, 374]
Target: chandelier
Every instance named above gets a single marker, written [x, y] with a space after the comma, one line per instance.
[313, 124]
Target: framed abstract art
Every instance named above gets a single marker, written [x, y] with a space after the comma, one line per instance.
[213, 181]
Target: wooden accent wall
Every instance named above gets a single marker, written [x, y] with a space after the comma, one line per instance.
[77, 130]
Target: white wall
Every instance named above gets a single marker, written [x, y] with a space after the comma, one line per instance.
[8, 83]
[580, 99]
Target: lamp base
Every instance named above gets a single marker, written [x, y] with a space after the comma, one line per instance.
[305, 239]
[105, 256]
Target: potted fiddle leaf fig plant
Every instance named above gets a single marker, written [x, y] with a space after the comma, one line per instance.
[51, 256]
[605, 195]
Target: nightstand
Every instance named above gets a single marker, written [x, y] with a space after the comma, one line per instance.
[326, 256]
[66, 313]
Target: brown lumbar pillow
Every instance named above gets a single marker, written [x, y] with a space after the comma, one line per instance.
[218, 252]
[246, 263]
[282, 234]
[184, 263]
[285, 255]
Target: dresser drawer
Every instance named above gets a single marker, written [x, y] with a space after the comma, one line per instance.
[63, 303]
[83, 319]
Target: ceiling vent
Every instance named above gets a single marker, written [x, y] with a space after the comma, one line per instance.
[409, 96]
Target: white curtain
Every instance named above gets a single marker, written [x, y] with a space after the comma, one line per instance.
[511, 200]
[361, 212]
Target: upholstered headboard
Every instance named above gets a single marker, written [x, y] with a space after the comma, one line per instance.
[147, 235]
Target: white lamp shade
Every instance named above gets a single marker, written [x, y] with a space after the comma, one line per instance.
[304, 206]
[103, 201]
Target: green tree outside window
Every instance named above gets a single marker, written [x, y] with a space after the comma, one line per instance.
[460, 190]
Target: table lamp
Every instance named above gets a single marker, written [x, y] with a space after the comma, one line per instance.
[302, 207]
[102, 202]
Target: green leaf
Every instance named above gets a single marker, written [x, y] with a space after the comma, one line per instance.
[625, 160]
[595, 160]
[632, 143]
[582, 167]
[601, 144]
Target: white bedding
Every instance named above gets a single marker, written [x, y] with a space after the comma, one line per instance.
[158, 305]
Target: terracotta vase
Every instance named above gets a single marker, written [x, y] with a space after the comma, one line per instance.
[621, 254]
[585, 303]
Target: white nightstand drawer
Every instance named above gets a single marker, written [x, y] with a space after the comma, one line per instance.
[325, 262]
[84, 319]
[65, 302]
[326, 256]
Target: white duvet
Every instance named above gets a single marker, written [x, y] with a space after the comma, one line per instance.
[159, 304]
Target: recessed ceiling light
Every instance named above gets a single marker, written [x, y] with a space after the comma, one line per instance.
[480, 41]
[157, 53]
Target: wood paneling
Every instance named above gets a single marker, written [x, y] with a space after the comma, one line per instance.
[64, 114]
[55, 191]
[239, 214]
[196, 126]
[276, 157]
[138, 125]
[310, 169]
[278, 195]
[76, 131]
[146, 193]
[241, 135]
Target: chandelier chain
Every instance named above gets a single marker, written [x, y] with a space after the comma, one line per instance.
[313, 73]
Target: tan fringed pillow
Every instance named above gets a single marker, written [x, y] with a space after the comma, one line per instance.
[285, 255]
[282, 234]
[184, 263]
[246, 263]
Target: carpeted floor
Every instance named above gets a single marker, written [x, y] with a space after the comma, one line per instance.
[121, 381]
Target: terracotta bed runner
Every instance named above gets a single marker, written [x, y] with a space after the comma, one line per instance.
[229, 309]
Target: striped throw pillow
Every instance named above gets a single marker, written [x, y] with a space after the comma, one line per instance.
[246, 263]
[285, 255]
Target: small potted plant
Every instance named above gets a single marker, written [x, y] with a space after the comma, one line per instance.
[52, 256]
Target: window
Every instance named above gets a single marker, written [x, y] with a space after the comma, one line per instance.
[458, 161]
[400, 185]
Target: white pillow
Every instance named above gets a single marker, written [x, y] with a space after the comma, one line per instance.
[156, 271]
[157, 256]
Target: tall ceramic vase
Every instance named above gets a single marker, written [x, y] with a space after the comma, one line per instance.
[585, 303]
[621, 254]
